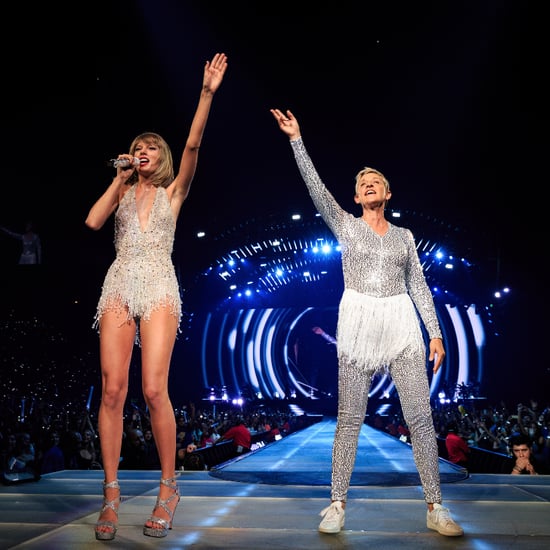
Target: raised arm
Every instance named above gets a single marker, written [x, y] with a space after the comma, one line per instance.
[214, 71]
[287, 123]
[331, 212]
[12, 233]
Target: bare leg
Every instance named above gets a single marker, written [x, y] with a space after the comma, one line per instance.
[116, 344]
[158, 336]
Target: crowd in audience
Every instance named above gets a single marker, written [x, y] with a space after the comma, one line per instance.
[491, 428]
[69, 440]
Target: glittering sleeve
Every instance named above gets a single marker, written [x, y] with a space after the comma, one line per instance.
[418, 289]
[324, 202]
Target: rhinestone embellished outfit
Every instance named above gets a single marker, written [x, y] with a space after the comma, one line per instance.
[378, 329]
[142, 277]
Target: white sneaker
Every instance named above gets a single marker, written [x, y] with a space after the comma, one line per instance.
[333, 518]
[439, 519]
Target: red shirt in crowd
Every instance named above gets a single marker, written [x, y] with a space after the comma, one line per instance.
[457, 449]
[240, 435]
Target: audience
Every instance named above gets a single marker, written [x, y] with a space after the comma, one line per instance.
[48, 444]
[489, 428]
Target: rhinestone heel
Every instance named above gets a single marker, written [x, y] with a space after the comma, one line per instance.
[111, 526]
[165, 525]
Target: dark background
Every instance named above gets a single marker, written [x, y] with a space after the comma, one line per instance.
[437, 95]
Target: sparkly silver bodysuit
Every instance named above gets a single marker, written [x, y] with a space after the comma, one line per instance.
[142, 277]
[378, 328]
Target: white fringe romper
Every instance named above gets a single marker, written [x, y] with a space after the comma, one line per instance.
[378, 329]
[142, 277]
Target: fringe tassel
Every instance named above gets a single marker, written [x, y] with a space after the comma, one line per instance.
[371, 332]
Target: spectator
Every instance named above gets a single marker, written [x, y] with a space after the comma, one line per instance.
[25, 451]
[53, 459]
[403, 431]
[523, 462]
[489, 438]
[184, 436]
[240, 435]
[22, 464]
[458, 451]
[133, 450]
[22, 461]
[274, 434]
[285, 428]
[87, 455]
[151, 454]
[193, 460]
[210, 436]
[497, 432]
[71, 448]
[529, 425]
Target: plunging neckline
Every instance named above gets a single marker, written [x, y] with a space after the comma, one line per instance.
[144, 228]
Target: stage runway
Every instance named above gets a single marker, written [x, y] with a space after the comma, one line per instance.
[271, 499]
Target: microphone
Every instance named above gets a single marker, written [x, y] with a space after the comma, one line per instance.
[123, 163]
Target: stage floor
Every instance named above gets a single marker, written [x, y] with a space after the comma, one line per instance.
[272, 498]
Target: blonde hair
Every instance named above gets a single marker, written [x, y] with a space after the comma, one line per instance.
[164, 175]
[367, 170]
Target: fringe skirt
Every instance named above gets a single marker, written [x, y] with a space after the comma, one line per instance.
[372, 332]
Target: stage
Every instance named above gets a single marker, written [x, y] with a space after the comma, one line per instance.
[271, 498]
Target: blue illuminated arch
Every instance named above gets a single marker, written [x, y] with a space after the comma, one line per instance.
[264, 280]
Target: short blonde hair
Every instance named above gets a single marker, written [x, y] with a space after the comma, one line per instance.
[367, 170]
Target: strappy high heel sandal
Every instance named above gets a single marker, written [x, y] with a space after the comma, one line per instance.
[111, 527]
[165, 525]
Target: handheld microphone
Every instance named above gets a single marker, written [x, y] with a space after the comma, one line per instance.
[123, 163]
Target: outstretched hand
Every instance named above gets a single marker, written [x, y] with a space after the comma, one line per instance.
[214, 71]
[287, 123]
